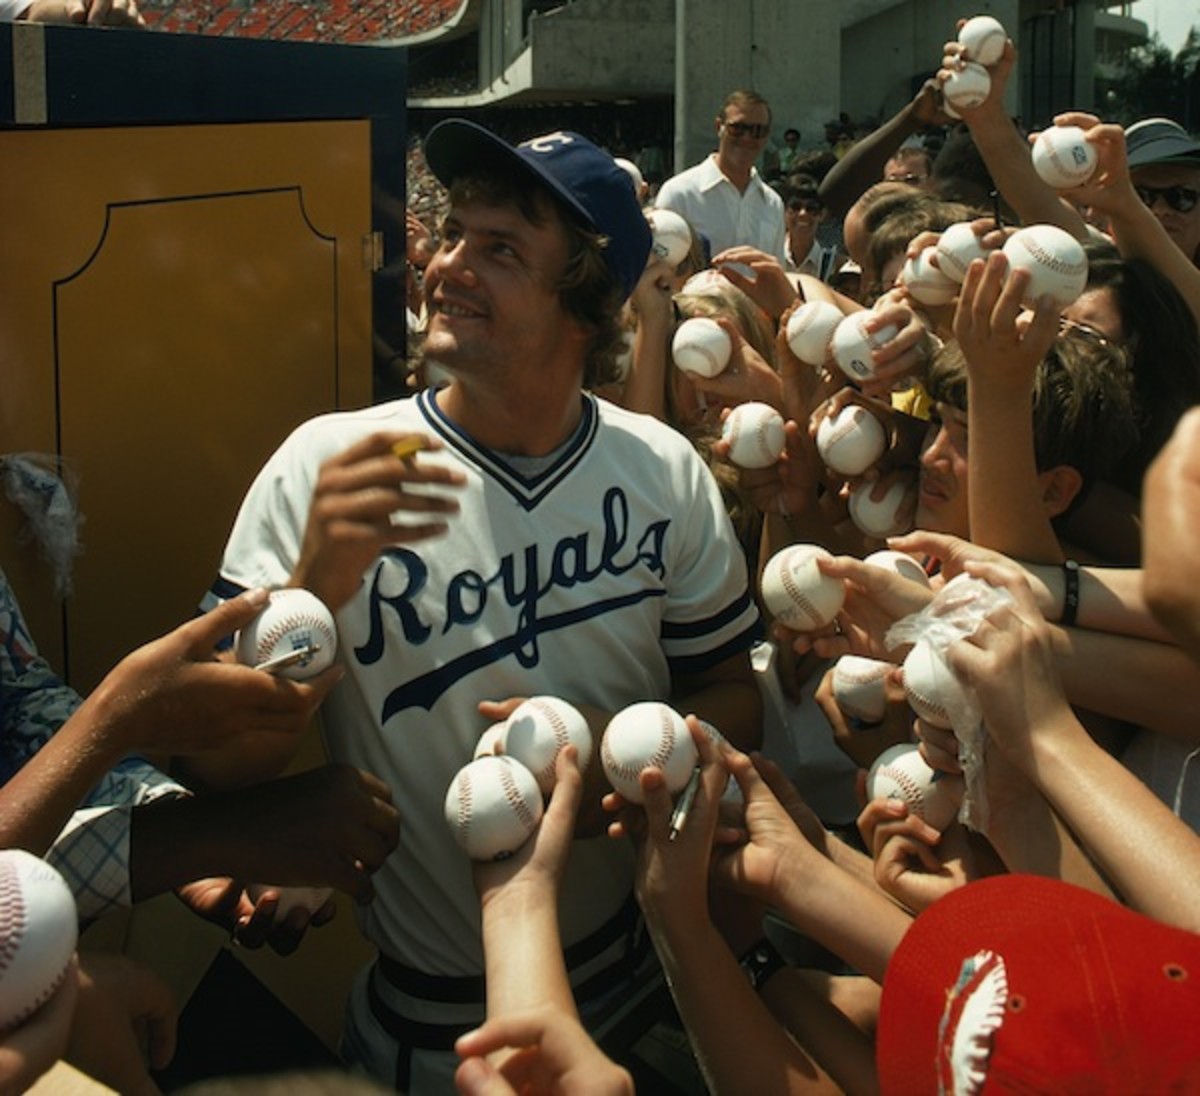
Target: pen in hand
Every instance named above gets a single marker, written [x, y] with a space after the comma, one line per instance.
[680, 813]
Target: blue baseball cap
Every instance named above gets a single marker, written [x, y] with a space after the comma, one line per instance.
[1160, 141]
[585, 180]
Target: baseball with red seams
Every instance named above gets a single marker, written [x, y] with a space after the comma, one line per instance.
[810, 329]
[755, 433]
[292, 620]
[1056, 262]
[38, 932]
[860, 687]
[672, 238]
[956, 248]
[492, 806]
[900, 772]
[642, 735]
[851, 440]
[925, 281]
[933, 691]
[796, 593]
[537, 731]
[290, 898]
[701, 345]
[967, 87]
[1063, 157]
[852, 346]
[984, 38]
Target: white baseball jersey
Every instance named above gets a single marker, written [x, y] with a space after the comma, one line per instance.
[591, 581]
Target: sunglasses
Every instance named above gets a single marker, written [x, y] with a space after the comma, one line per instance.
[910, 179]
[748, 129]
[809, 205]
[1182, 199]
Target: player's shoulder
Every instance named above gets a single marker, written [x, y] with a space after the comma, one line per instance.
[636, 429]
[339, 429]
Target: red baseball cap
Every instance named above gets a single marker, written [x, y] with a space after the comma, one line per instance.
[1022, 984]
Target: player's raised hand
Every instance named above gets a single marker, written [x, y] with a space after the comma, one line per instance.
[376, 494]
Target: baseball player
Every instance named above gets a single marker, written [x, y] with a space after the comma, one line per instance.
[540, 541]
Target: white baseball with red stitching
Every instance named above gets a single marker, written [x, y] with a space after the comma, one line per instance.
[755, 435]
[902, 773]
[537, 731]
[38, 932]
[292, 620]
[933, 691]
[851, 440]
[643, 735]
[860, 687]
[492, 806]
[796, 593]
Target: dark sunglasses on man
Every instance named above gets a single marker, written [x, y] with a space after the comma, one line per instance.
[747, 129]
[1182, 199]
[808, 205]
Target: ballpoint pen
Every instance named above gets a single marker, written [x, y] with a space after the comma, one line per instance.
[298, 657]
[680, 813]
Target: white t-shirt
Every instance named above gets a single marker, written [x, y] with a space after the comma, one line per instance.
[592, 581]
[727, 216]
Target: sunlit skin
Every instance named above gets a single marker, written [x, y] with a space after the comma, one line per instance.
[942, 486]
[494, 307]
[1183, 228]
[1097, 309]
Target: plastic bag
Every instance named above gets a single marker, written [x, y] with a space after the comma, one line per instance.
[955, 613]
[43, 487]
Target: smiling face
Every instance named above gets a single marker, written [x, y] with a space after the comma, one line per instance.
[492, 292]
[737, 149]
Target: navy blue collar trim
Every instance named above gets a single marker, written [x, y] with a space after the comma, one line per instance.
[528, 491]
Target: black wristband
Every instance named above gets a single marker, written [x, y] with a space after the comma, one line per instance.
[760, 962]
[1070, 593]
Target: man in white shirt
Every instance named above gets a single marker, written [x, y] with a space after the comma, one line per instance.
[723, 196]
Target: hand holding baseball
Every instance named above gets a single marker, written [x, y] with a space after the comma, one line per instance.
[905, 353]
[769, 288]
[173, 696]
[1002, 351]
[1110, 187]
[748, 377]
[364, 502]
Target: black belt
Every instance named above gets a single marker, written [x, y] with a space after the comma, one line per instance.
[471, 989]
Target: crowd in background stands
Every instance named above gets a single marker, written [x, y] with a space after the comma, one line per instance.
[300, 20]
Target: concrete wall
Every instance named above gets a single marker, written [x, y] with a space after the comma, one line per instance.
[791, 53]
[628, 44]
[883, 55]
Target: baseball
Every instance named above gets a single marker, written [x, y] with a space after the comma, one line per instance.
[889, 516]
[1063, 157]
[290, 898]
[1056, 262]
[859, 687]
[900, 563]
[850, 441]
[292, 621]
[701, 345]
[643, 735]
[796, 593]
[956, 247]
[538, 730]
[967, 87]
[672, 238]
[755, 435]
[489, 740]
[38, 931]
[933, 691]
[902, 773]
[983, 38]
[852, 346]
[810, 329]
[492, 806]
[925, 281]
